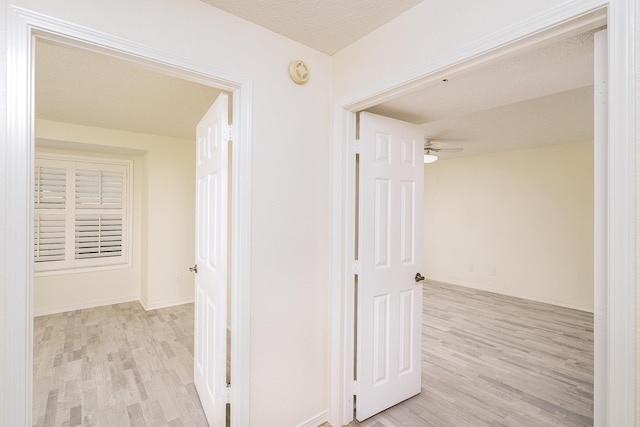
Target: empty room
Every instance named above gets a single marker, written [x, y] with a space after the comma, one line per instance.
[506, 256]
[507, 315]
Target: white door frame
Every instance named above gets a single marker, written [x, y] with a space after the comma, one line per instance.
[17, 271]
[615, 394]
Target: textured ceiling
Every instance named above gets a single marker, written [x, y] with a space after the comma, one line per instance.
[500, 106]
[83, 87]
[325, 25]
[543, 96]
[560, 118]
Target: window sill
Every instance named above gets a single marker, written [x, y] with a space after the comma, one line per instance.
[82, 270]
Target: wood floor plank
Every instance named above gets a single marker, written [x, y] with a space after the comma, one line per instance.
[115, 366]
[488, 360]
[494, 360]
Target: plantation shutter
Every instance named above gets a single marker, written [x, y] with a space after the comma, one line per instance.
[99, 189]
[98, 236]
[99, 216]
[81, 215]
[51, 188]
[49, 234]
[50, 198]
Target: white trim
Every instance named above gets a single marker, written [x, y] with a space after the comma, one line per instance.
[568, 18]
[166, 303]
[342, 274]
[17, 276]
[621, 220]
[600, 148]
[241, 254]
[82, 270]
[319, 419]
[85, 305]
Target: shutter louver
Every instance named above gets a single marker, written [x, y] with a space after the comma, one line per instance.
[98, 236]
[50, 188]
[49, 237]
[97, 189]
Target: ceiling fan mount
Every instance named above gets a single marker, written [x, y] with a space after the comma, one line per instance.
[433, 146]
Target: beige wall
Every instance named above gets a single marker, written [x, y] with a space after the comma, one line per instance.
[517, 222]
[163, 221]
[290, 200]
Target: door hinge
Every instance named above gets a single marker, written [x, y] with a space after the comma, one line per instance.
[227, 393]
[227, 133]
[355, 389]
[356, 146]
[356, 267]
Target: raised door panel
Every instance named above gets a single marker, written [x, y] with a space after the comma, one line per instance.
[211, 278]
[389, 301]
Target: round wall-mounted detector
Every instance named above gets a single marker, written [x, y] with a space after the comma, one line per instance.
[299, 72]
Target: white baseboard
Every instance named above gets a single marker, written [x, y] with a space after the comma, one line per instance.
[165, 304]
[319, 419]
[94, 304]
[91, 304]
[479, 287]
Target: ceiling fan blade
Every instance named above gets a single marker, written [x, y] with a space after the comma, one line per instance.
[451, 150]
[443, 150]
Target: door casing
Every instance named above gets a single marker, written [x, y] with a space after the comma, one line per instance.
[614, 397]
[23, 27]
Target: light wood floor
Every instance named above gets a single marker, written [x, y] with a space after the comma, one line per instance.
[488, 360]
[115, 366]
[493, 360]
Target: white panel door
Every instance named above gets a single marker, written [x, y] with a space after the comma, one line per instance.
[210, 344]
[389, 320]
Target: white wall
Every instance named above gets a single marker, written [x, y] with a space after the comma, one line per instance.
[163, 213]
[637, 20]
[516, 222]
[290, 250]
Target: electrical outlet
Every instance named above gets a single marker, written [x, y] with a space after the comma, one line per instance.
[492, 270]
[470, 268]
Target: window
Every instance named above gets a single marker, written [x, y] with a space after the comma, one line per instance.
[81, 215]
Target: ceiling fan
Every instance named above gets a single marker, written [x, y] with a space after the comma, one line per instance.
[433, 147]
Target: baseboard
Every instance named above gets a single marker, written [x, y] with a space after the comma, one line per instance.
[91, 304]
[479, 287]
[165, 304]
[319, 419]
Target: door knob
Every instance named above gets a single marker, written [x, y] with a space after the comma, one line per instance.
[194, 269]
[419, 277]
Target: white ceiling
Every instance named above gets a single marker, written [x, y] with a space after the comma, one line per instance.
[325, 25]
[539, 97]
[84, 87]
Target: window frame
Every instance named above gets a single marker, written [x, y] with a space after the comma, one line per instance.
[71, 265]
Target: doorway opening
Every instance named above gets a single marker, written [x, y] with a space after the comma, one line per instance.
[346, 126]
[85, 103]
[27, 27]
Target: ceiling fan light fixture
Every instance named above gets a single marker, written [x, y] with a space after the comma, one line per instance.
[430, 158]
